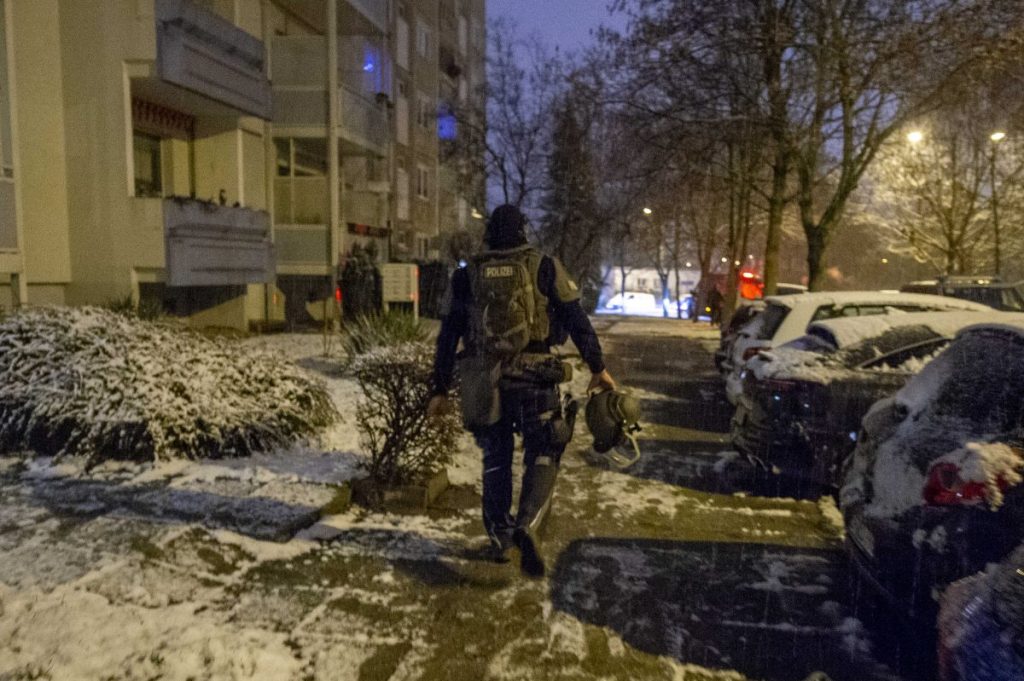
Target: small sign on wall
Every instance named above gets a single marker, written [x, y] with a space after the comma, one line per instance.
[401, 284]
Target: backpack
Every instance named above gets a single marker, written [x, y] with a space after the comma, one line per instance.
[508, 310]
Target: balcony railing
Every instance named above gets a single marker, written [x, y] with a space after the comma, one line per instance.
[207, 54]
[212, 245]
[363, 121]
[374, 10]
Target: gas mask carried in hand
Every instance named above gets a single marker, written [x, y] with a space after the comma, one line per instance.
[612, 418]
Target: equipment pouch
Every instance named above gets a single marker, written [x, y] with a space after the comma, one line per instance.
[481, 399]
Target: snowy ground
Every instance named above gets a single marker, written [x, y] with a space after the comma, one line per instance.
[671, 570]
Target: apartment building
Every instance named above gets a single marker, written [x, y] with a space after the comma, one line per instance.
[360, 148]
[135, 138]
[202, 153]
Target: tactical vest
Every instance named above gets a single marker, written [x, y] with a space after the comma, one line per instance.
[509, 311]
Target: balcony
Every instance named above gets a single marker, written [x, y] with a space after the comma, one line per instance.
[211, 245]
[208, 55]
[374, 11]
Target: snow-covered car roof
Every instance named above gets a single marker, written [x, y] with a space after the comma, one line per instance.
[873, 298]
[847, 331]
[1002, 321]
[795, 360]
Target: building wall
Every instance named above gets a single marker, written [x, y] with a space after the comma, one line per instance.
[39, 108]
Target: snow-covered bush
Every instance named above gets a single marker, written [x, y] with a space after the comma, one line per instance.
[405, 445]
[367, 332]
[88, 381]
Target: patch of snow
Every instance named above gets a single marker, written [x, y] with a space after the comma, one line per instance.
[831, 513]
[724, 459]
[994, 464]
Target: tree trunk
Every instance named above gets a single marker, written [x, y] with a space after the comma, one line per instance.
[776, 206]
[817, 243]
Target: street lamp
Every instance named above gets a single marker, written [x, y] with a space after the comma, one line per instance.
[647, 211]
[996, 137]
[915, 136]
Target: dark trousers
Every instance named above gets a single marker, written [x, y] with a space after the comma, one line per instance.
[533, 411]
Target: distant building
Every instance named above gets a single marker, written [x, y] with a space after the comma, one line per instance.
[183, 151]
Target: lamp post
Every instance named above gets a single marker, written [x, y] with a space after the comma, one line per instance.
[996, 138]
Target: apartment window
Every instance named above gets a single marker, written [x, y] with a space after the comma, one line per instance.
[425, 112]
[422, 182]
[402, 43]
[402, 114]
[148, 165]
[402, 194]
[422, 38]
[463, 34]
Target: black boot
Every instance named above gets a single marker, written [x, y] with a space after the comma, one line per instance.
[531, 561]
[534, 504]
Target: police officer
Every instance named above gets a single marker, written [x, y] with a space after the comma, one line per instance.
[525, 389]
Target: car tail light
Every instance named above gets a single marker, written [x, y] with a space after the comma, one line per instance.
[752, 352]
[945, 487]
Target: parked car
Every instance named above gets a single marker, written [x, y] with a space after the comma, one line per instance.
[933, 491]
[634, 303]
[787, 317]
[981, 624]
[990, 291]
[802, 404]
[740, 317]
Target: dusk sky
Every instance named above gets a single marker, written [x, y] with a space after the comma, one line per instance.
[563, 23]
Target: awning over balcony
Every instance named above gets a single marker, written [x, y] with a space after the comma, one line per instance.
[209, 55]
[211, 245]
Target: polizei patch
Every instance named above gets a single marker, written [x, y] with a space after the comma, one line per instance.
[498, 271]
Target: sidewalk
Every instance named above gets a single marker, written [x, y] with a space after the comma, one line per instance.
[650, 579]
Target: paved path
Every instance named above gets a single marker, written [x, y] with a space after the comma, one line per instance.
[671, 570]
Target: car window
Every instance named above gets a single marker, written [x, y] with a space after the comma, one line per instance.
[1011, 300]
[892, 341]
[825, 312]
[982, 381]
[897, 359]
[771, 320]
[979, 294]
[864, 310]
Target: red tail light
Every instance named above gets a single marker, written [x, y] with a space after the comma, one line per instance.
[945, 487]
[752, 352]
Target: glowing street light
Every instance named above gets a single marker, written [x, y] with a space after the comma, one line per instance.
[647, 211]
[997, 136]
[724, 259]
[915, 136]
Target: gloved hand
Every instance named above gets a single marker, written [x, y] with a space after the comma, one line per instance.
[602, 381]
[438, 406]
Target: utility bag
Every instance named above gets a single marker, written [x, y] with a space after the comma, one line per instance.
[479, 377]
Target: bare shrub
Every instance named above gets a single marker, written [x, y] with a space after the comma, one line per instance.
[405, 445]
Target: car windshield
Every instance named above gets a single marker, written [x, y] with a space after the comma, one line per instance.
[771, 320]
[980, 378]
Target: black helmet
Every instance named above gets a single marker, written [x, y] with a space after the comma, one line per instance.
[506, 228]
[612, 419]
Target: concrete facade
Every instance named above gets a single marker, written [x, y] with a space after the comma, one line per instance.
[125, 113]
[200, 152]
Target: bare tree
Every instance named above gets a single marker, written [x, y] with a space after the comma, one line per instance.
[931, 195]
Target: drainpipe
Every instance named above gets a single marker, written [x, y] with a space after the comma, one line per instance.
[269, 161]
[333, 170]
